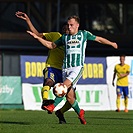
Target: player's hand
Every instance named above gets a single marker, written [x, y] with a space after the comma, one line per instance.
[113, 84]
[22, 15]
[115, 45]
[32, 34]
[122, 75]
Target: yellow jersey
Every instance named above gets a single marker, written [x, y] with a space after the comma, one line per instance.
[122, 70]
[55, 56]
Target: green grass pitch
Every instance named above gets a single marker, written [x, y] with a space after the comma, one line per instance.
[20, 121]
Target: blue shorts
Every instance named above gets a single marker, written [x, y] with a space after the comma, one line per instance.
[53, 73]
[122, 90]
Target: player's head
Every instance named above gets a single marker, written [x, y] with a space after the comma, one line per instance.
[122, 59]
[73, 24]
[65, 28]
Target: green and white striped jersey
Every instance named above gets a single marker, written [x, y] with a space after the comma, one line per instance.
[75, 46]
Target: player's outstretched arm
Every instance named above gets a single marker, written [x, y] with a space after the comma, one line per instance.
[25, 17]
[105, 41]
[48, 44]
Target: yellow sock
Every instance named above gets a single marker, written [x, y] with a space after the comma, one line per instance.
[126, 102]
[66, 107]
[44, 92]
[118, 102]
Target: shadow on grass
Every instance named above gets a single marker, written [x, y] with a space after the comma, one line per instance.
[112, 118]
[11, 122]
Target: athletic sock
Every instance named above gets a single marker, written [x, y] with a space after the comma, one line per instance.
[75, 106]
[45, 92]
[126, 102]
[118, 102]
[57, 100]
[66, 107]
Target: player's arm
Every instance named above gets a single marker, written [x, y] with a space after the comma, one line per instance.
[48, 44]
[105, 41]
[25, 17]
[122, 75]
[114, 75]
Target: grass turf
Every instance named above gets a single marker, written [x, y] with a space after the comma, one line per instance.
[20, 121]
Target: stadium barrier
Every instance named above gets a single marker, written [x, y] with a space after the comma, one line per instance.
[94, 90]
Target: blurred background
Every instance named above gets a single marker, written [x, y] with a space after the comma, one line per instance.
[109, 19]
[106, 18]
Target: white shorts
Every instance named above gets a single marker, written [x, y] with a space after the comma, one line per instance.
[73, 74]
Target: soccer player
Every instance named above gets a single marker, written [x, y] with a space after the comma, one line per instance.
[122, 71]
[75, 45]
[53, 71]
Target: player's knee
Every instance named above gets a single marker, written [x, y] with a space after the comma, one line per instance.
[126, 96]
[118, 95]
[49, 82]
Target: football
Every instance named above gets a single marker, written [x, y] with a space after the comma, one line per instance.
[60, 90]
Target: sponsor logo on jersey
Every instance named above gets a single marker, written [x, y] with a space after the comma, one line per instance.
[73, 42]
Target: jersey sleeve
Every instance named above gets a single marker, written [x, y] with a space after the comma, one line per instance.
[128, 68]
[47, 36]
[59, 42]
[52, 36]
[90, 36]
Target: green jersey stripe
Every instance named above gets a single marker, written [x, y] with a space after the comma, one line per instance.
[75, 46]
